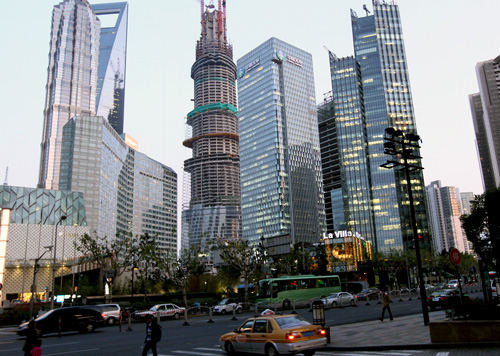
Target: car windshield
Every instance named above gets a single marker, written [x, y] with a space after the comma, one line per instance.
[224, 302]
[334, 295]
[154, 308]
[45, 315]
[288, 322]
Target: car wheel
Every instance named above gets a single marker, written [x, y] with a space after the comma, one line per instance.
[223, 311]
[239, 310]
[334, 304]
[286, 304]
[229, 348]
[111, 321]
[353, 303]
[177, 316]
[271, 351]
[309, 353]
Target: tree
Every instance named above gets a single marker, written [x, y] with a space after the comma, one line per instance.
[191, 263]
[241, 256]
[109, 255]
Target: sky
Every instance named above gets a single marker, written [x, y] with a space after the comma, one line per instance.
[444, 40]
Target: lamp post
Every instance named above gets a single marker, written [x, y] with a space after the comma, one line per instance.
[35, 271]
[61, 219]
[402, 145]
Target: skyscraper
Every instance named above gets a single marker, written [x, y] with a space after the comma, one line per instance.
[112, 62]
[485, 108]
[71, 79]
[351, 197]
[282, 188]
[379, 50]
[445, 209]
[214, 169]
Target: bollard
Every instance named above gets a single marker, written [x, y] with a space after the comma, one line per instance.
[129, 321]
[120, 322]
[378, 299]
[400, 298]
[234, 314]
[185, 323]
[293, 307]
[256, 309]
[210, 315]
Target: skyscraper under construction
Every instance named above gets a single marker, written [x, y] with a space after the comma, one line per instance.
[214, 207]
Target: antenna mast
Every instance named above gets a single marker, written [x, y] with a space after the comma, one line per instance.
[6, 175]
[202, 5]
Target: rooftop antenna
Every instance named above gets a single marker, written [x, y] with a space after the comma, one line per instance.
[6, 175]
[366, 9]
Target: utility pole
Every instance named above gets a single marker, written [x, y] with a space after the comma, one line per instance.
[402, 145]
[61, 219]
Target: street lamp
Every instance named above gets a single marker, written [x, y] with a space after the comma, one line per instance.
[35, 271]
[61, 219]
[402, 145]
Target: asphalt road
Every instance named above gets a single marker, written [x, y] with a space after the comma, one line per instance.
[200, 336]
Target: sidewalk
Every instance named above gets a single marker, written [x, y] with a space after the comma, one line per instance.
[405, 332]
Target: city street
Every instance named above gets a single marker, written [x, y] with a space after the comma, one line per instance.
[200, 337]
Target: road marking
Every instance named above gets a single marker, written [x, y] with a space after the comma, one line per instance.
[387, 353]
[49, 345]
[209, 349]
[195, 353]
[442, 354]
[74, 352]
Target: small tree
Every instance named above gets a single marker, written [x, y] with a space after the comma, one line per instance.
[191, 263]
[241, 256]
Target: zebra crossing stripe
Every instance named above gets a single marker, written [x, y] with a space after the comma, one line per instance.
[218, 349]
[195, 353]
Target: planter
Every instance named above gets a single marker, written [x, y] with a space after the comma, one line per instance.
[465, 331]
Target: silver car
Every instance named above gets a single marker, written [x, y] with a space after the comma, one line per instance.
[339, 300]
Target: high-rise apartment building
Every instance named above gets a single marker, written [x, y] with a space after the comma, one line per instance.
[125, 191]
[466, 199]
[71, 79]
[485, 107]
[112, 62]
[379, 51]
[351, 197]
[445, 209]
[281, 180]
[214, 169]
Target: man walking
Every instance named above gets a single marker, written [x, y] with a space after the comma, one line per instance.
[153, 335]
[387, 305]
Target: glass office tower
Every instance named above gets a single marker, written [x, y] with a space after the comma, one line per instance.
[71, 80]
[112, 62]
[352, 194]
[282, 189]
[214, 169]
[379, 50]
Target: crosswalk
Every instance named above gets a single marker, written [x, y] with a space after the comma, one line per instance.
[217, 351]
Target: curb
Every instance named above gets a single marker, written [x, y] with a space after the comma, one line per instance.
[414, 346]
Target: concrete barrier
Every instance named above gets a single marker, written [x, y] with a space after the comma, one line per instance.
[464, 331]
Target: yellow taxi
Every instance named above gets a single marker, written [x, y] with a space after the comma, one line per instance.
[275, 335]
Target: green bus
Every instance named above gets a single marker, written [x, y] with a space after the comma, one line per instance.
[287, 289]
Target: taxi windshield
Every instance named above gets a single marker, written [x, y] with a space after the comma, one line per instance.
[288, 322]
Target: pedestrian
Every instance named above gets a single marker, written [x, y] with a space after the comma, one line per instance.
[153, 335]
[32, 340]
[387, 305]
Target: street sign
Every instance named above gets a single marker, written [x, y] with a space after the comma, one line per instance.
[455, 256]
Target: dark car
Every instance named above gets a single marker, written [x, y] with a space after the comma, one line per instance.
[368, 294]
[82, 319]
[445, 299]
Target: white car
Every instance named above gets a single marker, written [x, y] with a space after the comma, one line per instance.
[339, 299]
[226, 306]
[162, 311]
[453, 283]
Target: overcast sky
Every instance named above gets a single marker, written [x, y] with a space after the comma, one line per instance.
[444, 40]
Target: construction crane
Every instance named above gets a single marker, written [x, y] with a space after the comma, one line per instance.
[366, 9]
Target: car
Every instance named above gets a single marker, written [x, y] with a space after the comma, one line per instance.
[453, 283]
[339, 299]
[162, 311]
[80, 318]
[445, 299]
[226, 306]
[110, 313]
[274, 335]
[369, 294]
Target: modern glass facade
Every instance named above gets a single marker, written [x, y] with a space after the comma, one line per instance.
[281, 181]
[112, 62]
[379, 50]
[351, 138]
[486, 114]
[214, 169]
[125, 191]
[71, 80]
[28, 220]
